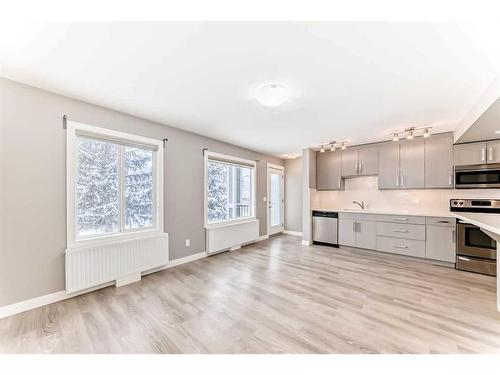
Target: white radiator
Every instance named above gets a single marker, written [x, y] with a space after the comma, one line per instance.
[226, 236]
[94, 265]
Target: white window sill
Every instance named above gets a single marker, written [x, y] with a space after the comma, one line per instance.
[229, 223]
[114, 238]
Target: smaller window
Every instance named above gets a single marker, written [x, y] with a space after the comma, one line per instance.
[230, 190]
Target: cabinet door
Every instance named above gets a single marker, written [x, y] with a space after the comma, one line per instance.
[347, 236]
[440, 243]
[439, 161]
[350, 161]
[493, 152]
[368, 160]
[328, 171]
[388, 165]
[366, 235]
[470, 153]
[412, 164]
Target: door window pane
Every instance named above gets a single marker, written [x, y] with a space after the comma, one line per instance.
[138, 170]
[275, 200]
[97, 187]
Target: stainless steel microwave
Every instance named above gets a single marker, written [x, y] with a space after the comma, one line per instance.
[477, 176]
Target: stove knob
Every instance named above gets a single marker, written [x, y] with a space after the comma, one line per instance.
[461, 203]
[455, 203]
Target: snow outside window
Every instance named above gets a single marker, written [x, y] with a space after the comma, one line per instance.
[114, 188]
[229, 191]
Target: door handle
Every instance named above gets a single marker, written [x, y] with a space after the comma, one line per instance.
[357, 167]
[402, 181]
[360, 166]
[397, 180]
[339, 182]
[354, 226]
[490, 154]
[483, 154]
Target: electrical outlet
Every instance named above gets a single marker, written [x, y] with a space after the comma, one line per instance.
[188, 242]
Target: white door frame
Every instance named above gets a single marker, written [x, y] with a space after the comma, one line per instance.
[282, 193]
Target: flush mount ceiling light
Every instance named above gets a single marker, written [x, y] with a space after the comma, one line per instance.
[411, 132]
[272, 94]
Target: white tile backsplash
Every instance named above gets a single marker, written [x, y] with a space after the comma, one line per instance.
[420, 200]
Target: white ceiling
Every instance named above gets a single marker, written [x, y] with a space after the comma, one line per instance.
[349, 80]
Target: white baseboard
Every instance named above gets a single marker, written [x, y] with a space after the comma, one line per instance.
[47, 299]
[293, 233]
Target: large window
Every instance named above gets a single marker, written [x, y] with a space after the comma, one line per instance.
[114, 185]
[230, 188]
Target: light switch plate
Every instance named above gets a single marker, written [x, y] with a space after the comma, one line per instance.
[188, 242]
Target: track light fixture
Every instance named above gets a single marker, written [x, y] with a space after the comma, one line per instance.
[343, 146]
[322, 149]
[411, 132]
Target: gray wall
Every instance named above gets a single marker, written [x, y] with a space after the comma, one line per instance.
[33, 178]
[293, 194]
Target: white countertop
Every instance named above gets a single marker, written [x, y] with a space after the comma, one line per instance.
[388, 212]
[489, 222]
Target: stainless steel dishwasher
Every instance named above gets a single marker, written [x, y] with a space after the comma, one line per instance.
[325, 228]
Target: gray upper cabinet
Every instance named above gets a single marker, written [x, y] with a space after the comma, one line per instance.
[328, 166]
[350, 161]
[470, 153]
[388, 165]
[359, 161]
[493, 152]
[439, 161]
[368, 160]
[412, 164]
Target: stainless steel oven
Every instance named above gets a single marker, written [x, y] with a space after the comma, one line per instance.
[477, 177]
[476, 251]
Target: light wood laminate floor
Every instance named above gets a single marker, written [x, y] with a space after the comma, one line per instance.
[274, 296]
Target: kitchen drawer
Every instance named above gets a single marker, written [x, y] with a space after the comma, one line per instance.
[440, 221]
[414, 248]
[402, 219]
[358, 216]
[409, 231]
[478, 265]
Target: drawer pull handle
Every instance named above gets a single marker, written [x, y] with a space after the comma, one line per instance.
[400, 230]
[401, 218]
[401, 246]
[443, 221]
[463, 258]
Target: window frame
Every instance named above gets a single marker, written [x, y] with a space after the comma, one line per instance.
[76, 130]
[239, 162]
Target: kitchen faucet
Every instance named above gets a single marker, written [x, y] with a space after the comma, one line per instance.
[362, 204]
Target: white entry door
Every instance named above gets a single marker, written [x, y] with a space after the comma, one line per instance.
[275, 199]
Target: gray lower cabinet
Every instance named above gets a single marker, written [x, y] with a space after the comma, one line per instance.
[412, 164]
[347, 232]
[440, 244]
[388, 165]
[328, 167]
[358, 230]
[366, 234]
[470, 153]
[416, 236]
[440, 239]
[439, 161]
